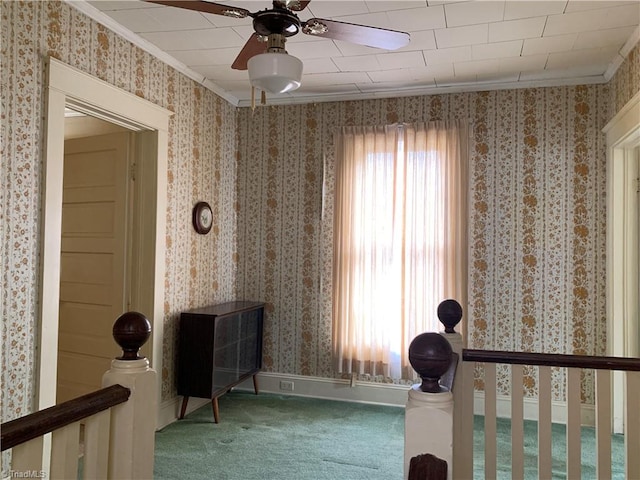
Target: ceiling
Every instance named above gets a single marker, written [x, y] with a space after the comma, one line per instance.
[455, 45]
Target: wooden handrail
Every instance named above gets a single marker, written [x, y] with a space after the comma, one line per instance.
[551, 360]
[39, 423]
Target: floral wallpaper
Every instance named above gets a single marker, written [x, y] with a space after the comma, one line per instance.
[537, 225]
[199, 269]
[537, 189]
[626, 81]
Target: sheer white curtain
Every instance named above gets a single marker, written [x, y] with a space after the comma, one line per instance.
[399, 240]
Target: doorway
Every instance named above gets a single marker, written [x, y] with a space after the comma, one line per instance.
[98, 193]
[623, 241]
[68, 87]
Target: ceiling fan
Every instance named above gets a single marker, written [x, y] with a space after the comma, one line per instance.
[271, 71]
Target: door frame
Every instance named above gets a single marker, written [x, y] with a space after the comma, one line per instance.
[68, 86]
[622, 137]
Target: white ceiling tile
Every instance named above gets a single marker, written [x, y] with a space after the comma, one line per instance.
[218, 56]
[434, 71]
[588, 20]
[361, 63]
[170, 41]
[319, 65]
[387, 76]
[221, 72]
[604, 38]
[317, 49]
[397, 86]
[577, 5]
[335, 9]
[622, 16]
[534, 8]
[516, 29]
[422, 40]
[578, 58]
[496, 50]
[557, 43]
[472, 13]
[417, 19]
[160, 19]
[448, 55]
[224, 21]
[457, 80]
[571, 23]
[195, 39]
[411, 74]
[379, 20]
[496, 77]
[383, 6]
[236, 84]
[443, 2]
[339, 78]
[349, 49]
[523, 64]
[391, 61]
[474, 67]
[459, 36]
[108, 5]
[245, 31]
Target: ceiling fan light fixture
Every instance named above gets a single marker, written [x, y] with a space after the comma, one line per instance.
[275, 72]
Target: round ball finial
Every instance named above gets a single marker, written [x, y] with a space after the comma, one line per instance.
[430, 355]
[131, 331]
[449, 314]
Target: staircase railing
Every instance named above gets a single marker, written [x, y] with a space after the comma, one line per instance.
[79, 424]
[108, 433]
[575, 365]
[439, 418]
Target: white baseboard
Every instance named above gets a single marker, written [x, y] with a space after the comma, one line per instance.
[316, 387]
[530, 412]
[331, 389]
[363, 392]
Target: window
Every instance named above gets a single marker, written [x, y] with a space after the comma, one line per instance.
[399, 240]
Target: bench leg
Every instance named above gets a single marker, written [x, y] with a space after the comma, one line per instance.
[216, 410]
[183, 409]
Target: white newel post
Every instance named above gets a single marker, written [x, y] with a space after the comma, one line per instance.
[429, 414]
[133, 423]
[428, 426]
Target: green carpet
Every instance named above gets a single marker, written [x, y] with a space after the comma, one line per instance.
[264, 437]
[278, 437]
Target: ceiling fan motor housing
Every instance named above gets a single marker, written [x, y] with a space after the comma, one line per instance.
[278, 21]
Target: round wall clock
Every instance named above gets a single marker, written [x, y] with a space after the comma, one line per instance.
[202, 218]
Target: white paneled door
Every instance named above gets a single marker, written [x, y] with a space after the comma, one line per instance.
[93, 263]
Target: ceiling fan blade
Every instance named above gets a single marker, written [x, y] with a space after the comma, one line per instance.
[295, 5]
[358, 34]
[206, 7]
[254, 46]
